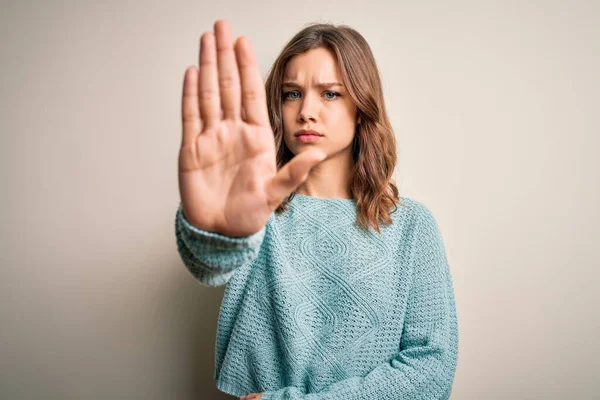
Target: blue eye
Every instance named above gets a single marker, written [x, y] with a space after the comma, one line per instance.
[335, 93]
[285, 95]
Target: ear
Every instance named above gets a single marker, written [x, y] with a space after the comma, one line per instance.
[358, 119]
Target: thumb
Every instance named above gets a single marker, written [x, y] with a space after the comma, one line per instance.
[291, 175]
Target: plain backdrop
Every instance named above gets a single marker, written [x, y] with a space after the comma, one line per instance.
[495, 105]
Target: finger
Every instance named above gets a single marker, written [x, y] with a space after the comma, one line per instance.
[229, 79]
[190, 115]
[208, 86]
[291, 175]
[254, 103]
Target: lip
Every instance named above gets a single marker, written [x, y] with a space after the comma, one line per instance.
[309, 138]
[307, 132]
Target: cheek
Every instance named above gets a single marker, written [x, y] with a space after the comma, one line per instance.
[341, 117]
[287, 117]
[285, 121]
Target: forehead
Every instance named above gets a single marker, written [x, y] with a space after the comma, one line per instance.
[317, 65]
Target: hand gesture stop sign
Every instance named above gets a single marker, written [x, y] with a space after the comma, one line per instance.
[228, 178]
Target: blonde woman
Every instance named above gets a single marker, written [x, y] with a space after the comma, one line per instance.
[337, 287]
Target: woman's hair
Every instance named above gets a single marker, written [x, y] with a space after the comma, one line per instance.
[374, 145]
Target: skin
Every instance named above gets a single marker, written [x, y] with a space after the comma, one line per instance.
[327, 110]
[252, 396]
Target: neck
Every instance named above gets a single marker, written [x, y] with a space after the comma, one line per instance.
[330, 178]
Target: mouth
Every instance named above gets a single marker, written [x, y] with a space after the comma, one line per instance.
[307, 132]
[309, 138]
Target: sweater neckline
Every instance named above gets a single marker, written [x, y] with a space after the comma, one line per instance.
[315, 199]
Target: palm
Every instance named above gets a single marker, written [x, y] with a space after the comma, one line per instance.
[232, 163]
[228, 179]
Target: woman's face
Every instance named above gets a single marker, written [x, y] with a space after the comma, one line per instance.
[307, 104]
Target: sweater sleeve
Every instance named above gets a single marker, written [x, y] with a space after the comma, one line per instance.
[211, 257]
[425, 364]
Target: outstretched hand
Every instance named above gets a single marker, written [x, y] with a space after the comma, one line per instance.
[228, 177]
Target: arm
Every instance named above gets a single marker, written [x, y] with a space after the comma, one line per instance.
[425, 364]
[212, 258]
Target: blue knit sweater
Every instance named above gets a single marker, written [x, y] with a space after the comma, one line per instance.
[317, 308]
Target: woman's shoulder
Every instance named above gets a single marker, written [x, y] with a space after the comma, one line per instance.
[414, 207]
[418, 213]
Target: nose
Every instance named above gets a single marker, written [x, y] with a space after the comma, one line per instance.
[307, 111]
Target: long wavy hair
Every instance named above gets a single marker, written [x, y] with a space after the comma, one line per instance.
[374, 144]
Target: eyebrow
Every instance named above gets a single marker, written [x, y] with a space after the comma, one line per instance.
[319, 85]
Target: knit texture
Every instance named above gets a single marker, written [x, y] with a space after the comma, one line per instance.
[317, 308]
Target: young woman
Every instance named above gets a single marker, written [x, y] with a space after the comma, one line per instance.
[337, 288]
